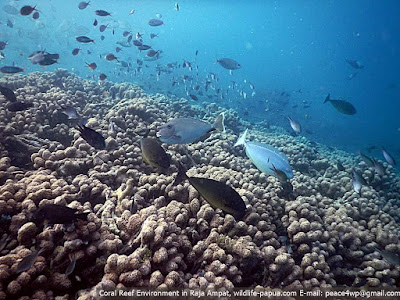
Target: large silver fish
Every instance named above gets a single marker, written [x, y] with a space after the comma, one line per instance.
[265, 157]
[390, 160]
[188, 130]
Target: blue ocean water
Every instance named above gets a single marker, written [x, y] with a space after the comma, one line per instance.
[293, 53]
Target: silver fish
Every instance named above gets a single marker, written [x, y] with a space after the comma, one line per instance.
[389, 256]
[71, 266]
[390, 160]
[358, 181]
[188, 130]
[295, 125]
[379, 168]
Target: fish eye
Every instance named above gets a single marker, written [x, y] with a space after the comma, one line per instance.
[169, 126]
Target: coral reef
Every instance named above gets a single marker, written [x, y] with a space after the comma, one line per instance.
[141, 231]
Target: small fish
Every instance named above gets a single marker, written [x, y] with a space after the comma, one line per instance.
[8, 94]
[368, 161]
[152, 53]
[391, 257]
[194, 97]
[144, 47]
[27, 262]
[84, 39]
[342, 106]
[91, 66]
[126, 33]
[158, 15]
[103, 27]
[27, 10]
[188, 130]
[131, 12]
[379, 168]
[70, 112]
[102, 13]
[11, 69]
[83, 5]
[216, 193]
[71, 266]
[102, 76]
[176, 6]
[282, 177]
[10, 23]
[155, 22]
[35, 15]
[111, 57]
[137, 43]
[76, 51]
[352, 75]
[358, 181]
[118, 49]
[152, 35]
[102, 37]
[389, 158]
[3, 45]
[92, 137]
[355, 64]
[95, 23]
[295, 125]
[2, 56]
[18, 106]
[154, 154]
[339, 166]
[57, 214]
[229, 63]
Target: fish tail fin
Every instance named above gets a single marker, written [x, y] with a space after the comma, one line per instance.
[328, 98]
[219, 122]
[181, 176]
[242, 139]
[82, 216]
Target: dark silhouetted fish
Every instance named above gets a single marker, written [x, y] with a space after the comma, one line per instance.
[8, 94]
[378, 167]
[103, 27]
[83, 5]
[102, 13]
[18, 106]
[84, 39]
[11, 69]
[229, 63]
[10, 23]
[27, 10]
[95, 23]
[155, 22]
[91, 66]
[111, 57]
[154, 154]
[36, 15]
[70, 112]
[76, 51]
[27, 262]
[339, 166]
[194, 97]
[137, 43]
[92, 137]
[342, 106]
[368, 161]
[152, 35]
[102, 76]
[57, 214]
[216, 193]
[3, 45]
[355, 64]
[144, 47]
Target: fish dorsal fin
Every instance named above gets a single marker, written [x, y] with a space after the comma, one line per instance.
[242, 139]
[219, 122]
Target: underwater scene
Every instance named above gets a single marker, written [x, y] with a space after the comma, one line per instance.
[199, 149]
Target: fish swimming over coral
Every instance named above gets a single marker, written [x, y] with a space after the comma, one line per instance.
[27, 262]
[57, 214]
[188, 130]
[8, 94]
[265, 157]
[342, 106]
[154, 154]
[216, 193]
[94, 138]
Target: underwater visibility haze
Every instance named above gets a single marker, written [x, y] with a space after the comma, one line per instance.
[118, 162]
